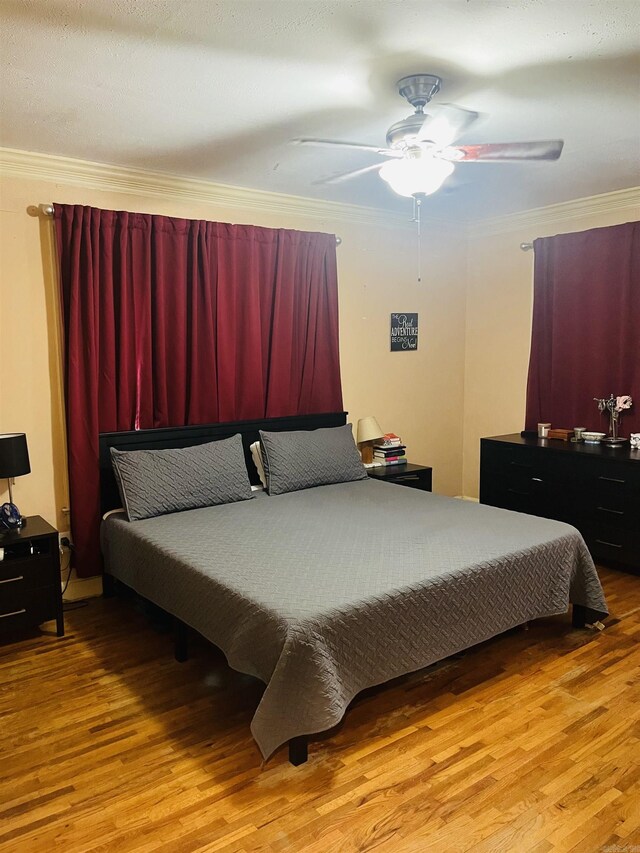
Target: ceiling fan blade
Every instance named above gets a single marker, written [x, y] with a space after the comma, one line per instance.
[549, 149]
[336, 143]
[446, 124]
[345, 176]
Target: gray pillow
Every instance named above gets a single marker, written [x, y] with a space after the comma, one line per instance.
[155, 482]
[305, 458]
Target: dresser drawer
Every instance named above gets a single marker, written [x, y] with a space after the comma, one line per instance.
[613, 489]
[515, 500]
[612, 513]
[614, 544]
[527, 481]
[21, 608]
[610, 495]
[32, 572]
[615, 472]
[419, 480]
[409, 474]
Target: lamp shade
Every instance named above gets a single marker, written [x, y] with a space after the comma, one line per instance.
[14, 455]
[368, 430]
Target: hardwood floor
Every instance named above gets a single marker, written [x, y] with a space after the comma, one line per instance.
[530, 742]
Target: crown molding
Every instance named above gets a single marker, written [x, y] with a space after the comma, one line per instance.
[595, 205]
[100, 176]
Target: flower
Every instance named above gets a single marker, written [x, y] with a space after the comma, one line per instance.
[615, 406]
[624, 402]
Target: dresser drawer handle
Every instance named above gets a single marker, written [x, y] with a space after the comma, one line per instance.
[612, 480]
[608, 544]
[13, 613]
[612, 511]
[13, 580]
[537, 480]
[406, 478]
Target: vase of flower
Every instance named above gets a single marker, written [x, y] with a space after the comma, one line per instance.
[614, 406]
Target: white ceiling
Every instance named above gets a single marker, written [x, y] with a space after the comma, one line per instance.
[216, 90]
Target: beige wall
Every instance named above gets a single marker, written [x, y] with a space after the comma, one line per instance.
[467, 379]
[498, 322]
[415, 394]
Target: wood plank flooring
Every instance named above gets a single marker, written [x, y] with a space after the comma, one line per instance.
[530, 742]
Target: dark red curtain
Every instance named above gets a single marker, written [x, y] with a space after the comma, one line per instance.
[176, 321]
[586, 328]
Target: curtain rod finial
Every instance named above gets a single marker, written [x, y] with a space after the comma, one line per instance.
[338, 241]
[46, 209]
[526, 247]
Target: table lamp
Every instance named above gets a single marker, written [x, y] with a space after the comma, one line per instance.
[14, 462]
[368, 432]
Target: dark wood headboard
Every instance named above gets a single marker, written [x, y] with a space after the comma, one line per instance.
[186, 436]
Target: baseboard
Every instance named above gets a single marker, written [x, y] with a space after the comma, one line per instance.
[80, 588]
[467, 498]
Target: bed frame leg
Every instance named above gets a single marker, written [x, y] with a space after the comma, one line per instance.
[108, 585]
[579, 616]
[181, 646]
[298, 750]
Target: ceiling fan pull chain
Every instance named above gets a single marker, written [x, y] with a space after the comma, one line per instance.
[418, 217]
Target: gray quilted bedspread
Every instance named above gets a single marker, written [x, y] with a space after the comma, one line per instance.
[324, 592]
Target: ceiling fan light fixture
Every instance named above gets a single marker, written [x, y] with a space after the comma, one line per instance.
[423, 175]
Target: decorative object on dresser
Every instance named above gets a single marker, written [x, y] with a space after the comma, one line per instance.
[635, 440]
[560, 434]
[590, 437]
[390, 450]
[30, 590]
[14, 462]
[615, 406]
[414, 476]
[594, 487]
[369, 431]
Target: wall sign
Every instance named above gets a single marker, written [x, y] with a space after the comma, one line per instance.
[404, 332]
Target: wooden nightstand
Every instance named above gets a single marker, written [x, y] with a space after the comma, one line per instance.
[30, 591]
[414, 476]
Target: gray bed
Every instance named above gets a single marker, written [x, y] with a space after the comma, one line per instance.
[324, 592]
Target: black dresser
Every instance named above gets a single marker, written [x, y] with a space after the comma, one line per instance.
[591, 486]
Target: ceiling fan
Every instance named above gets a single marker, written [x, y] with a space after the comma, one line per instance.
[420, 148]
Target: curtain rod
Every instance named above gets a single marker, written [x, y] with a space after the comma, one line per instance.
[48, 210]
[526, 247]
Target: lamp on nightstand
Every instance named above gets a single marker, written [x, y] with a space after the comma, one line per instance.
[14, 462]
[368, 432]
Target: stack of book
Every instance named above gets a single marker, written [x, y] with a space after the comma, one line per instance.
[390, 450]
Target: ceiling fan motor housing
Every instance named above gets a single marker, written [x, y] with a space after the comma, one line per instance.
[398, 132]
[418, 89]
